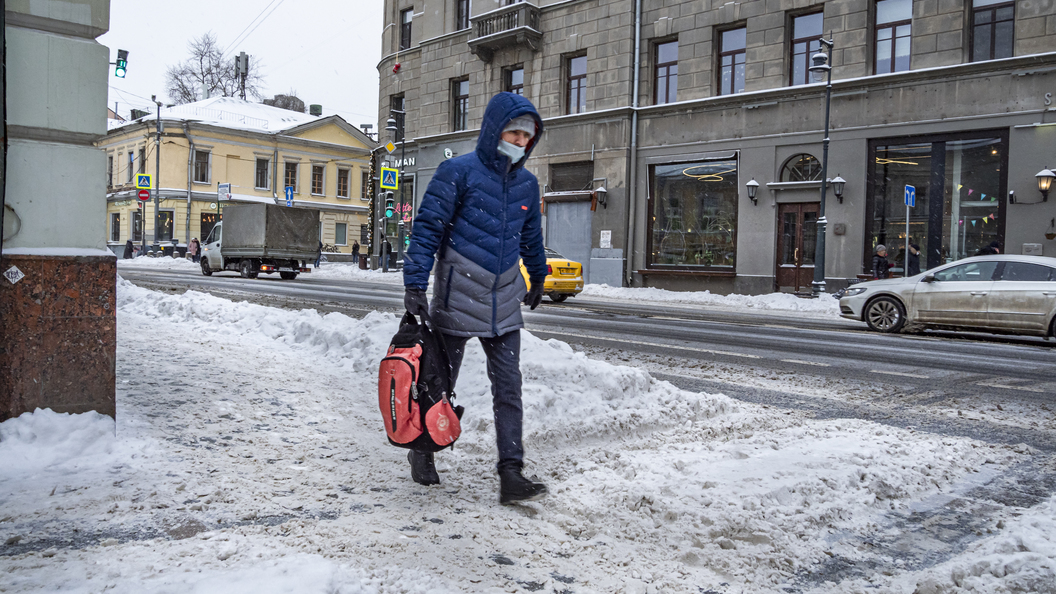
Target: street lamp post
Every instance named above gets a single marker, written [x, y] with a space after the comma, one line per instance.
[821, 66]
[157, 180]
[392, 126]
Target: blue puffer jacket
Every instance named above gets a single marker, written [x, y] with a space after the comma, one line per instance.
[478, 286]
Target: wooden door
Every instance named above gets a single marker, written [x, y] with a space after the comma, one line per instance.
[797, 234]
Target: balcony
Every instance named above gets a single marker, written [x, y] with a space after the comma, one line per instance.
[516, 25]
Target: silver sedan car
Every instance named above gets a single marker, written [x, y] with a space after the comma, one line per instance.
[998, 294]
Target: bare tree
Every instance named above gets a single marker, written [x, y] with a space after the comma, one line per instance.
[288, 101]
[207, 71]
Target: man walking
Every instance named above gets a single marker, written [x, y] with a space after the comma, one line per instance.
[479, 216]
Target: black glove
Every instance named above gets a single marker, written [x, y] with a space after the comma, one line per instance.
[415, 301]
[534, 296]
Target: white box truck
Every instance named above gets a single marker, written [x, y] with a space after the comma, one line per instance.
[268, 238]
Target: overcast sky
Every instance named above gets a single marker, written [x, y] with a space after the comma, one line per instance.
[326, 50]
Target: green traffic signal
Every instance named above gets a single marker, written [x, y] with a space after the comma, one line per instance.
[390, 208]
[121, 66]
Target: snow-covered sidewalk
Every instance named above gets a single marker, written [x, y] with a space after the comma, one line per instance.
[249, 457]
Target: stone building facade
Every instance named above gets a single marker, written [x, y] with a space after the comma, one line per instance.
[674, 107]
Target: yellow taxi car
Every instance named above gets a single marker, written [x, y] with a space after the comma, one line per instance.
[564, 278]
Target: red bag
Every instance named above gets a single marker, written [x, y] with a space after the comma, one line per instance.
[414, 389]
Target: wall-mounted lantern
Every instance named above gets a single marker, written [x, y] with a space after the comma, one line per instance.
[753, 190]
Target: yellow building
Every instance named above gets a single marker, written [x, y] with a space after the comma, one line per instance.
[258, 149]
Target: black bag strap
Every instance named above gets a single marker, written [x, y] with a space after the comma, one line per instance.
[438, 338]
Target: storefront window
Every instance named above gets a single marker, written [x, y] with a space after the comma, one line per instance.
[693, 210]
[959, 183]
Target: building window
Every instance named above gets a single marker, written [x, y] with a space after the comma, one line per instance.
[893, 22]
[164, 230]
[396, 105]
[137, 226]
[459, 103]
[801, 167]
[992, 29]
[115, 226]
[342, 183]
[201, 166]
[571, 177]
[732, 55]
[405, 28]
[317, 179]
[462, 15]
[289, 176]
[693, 208]
[109, 171]
[364, 236]
[960, 183]
[665, 87]
[131, 165]
[262, 177]
[340, 233]
[576, 96]
[364, 188]
[142, 160]
[806, 36]
[515, 80]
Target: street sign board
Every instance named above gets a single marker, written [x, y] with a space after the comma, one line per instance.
[390, 147]
[911, 196]
[143, 181]
[143, 195]
[223, 191]
[289, 195]
[390, 178]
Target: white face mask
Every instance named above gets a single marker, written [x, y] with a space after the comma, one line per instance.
[514, 152]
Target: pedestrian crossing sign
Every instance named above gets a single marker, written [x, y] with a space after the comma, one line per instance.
[390, 178]
[143, 181]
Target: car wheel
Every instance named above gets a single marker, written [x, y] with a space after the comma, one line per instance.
[558, 297]
[246, 269]
[885, 314]
[205, 268]
[288, 275]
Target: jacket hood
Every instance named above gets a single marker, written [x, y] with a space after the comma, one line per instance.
[501, 109]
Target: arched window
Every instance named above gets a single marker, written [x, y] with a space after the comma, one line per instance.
[801, 167]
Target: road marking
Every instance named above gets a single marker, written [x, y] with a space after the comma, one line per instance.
[656, 344]
[815, 363]
[900, 373]
[1008, 387]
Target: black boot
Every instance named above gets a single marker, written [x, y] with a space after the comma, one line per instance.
[422, 469]
[514, 487]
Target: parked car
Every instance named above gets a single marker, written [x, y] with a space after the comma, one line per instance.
[998, 294]
[564, 278]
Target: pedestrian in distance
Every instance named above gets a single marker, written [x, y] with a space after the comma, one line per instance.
[913, 262]
[318, 254]
[480, 214]
[129, 249]
[990, 250]
[355, 252]
[881, 267]
[193, 249]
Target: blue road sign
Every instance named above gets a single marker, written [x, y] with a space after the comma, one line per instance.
[289, 195]
[389, 179]
[911, 196]
[143, 181]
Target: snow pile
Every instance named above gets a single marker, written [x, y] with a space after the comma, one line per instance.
[45, 441]
[159, 263]
[250, 457]
[770, 302]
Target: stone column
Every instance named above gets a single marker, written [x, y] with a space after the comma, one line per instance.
[57, 298]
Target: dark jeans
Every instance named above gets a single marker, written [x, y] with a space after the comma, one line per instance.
[504, 371]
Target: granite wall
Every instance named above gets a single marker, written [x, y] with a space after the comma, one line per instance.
[59, 335]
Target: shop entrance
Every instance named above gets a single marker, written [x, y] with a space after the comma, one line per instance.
[797, 226]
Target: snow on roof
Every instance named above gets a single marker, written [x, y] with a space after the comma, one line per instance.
[231, 112]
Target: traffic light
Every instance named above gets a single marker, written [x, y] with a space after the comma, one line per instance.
[122, 63]
[390, 208]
